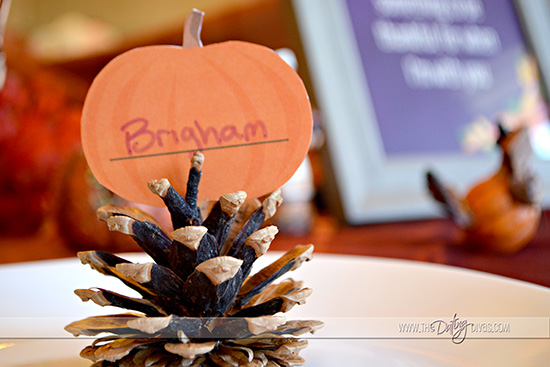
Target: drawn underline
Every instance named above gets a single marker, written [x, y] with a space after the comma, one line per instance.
[194, 150]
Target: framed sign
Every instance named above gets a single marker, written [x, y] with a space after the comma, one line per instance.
[405, 86]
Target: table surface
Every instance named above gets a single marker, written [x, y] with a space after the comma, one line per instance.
[436, 240]
[432, 240]
[359, 299]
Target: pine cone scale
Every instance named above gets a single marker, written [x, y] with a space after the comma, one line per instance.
[199, 306]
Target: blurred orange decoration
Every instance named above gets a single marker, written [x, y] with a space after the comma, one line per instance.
[39, 128]
[500, 213]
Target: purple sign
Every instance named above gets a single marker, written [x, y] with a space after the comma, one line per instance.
[434, 66]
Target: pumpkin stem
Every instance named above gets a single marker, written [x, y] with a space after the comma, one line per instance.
[192, 29]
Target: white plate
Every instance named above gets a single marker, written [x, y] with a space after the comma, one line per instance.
[361, 300]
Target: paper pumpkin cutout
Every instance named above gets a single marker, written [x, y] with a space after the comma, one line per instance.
[239, 103]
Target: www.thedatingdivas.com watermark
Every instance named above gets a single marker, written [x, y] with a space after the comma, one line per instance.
[456, 329]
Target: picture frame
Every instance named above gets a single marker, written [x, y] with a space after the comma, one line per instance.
[376, 179]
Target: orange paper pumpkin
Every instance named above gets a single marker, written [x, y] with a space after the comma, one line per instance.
[237, 102]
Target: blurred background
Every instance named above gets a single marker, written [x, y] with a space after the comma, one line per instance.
[48, 197]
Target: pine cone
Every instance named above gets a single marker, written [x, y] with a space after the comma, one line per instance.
[199, 306]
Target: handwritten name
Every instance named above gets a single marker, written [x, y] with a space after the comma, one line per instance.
[140, 138]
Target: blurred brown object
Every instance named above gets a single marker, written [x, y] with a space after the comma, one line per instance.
[79, 195]
[502, 212]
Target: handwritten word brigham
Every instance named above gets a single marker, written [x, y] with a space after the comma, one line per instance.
[140, 138]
